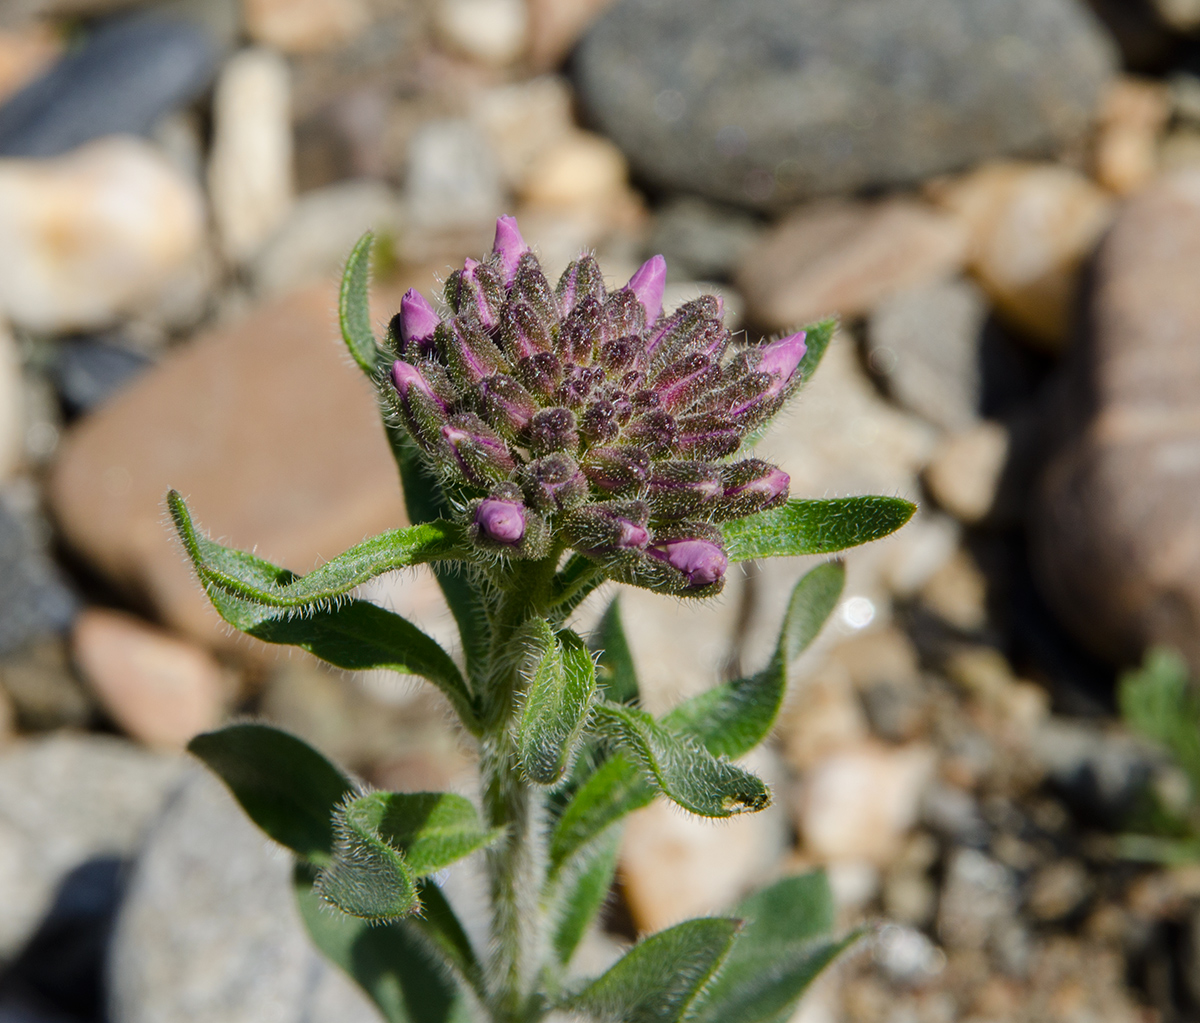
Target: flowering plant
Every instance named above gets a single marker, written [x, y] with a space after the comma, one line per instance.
[548, 439]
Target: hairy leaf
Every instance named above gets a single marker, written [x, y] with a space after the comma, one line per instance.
[1158, 701]
[784, 944]
[393, 963]
[354, 311]
[684, 771]
[816, 340]
[285, 786]
[734, 717]
[657, 980]
[815, 527]
[581, 893]
[577, 580]
[251, 578]
[386, 840]
[617, 674]
[616, 788]
[557, 702]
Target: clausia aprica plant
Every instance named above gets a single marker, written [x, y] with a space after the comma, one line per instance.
[548, 438]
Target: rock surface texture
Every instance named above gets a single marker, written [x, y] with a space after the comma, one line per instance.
[767, 102]
[1118, 533]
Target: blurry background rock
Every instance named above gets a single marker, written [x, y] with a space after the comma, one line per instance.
[998, 197]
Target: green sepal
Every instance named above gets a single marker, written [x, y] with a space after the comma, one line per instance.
[682, 769]
[581, 892]
[254, 579]
[285, 786]
[557, 701]
[658, 979]
[354, 310]
[394, 963]
[357, 636]
[784, 944]
[732, 718]
[616, 673]
[385, 841]
[814, 527]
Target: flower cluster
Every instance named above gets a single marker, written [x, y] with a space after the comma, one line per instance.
[577, 415]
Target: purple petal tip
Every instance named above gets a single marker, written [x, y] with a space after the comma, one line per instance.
[418, 321]
[701, 561]
[509, 246]
[780, 358]
[501, 521]
[648, 283]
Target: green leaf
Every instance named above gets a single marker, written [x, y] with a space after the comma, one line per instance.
[357, 636]
[386, 840]
[393, 963]
[816, 340]
[815, 527]
[354, 311]
[285, 786]
[251, 578]
[577, 580]
[615, 789]
[684, 771]
[734, 717]
[581, 893]
[784, 944]
[1158, 701]
[617, 675]
[657, 980]
[557, 701]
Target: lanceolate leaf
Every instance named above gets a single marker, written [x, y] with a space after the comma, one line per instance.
[733, 718]
[386, 840]
[557, 702]
[657, 980]
[354, 312]
[285, 786]
[617, 674]
[251, 578]
[784, 944]
[683, 770]
[581, 893]
[616, 788]
[355, 635]
[816, 341]
[815, 527]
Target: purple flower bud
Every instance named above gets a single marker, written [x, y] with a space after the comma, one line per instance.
[617, 468]
[648, 283]
[475, 275]
[500, 521]
[581, 279]
[670, 338]
[554, 483]
[680, 382]
[780, 359]
[609, 528]
[748, 487]
[772, 484]
[541, 373]
[707, 436]
[682, 489]
[583, 332]
[625, 315]
[509, 246]
[478, 454]
[506, 405]
[522, 332]
[470, 353]
[655, 430]
[701, 561]
[405, 377]
[418, 321]
[598, 424]
[552, 429]
[423, 410]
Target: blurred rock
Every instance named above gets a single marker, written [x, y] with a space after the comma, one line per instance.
[490, 31]
[250, 166]
[1031, 227]
[43, 690]
[91, 236]
[1057, 889]
[978, 897]
[556, 25]
[1181, 15]
[769, 102]
[952, 813]
[845, 258]
[34, 598]
[220, 421]
[65, 800]
[122, 80]
[580, 169]
[1132, 118]
[157, 689]
[702, 239]
[89, 371]
[321, 229]
[25, 54]
[1116, 522]
[924, 343]
[859, 803]
[907, 956]
[522, 121]
[964, 473]
[1011, 709]
[676, 865]
[12, 400]
[305, 26]
[822, 716]
[209, 931]
[957, 593]
[453, 180]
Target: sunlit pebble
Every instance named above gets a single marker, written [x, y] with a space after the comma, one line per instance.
[857, 613]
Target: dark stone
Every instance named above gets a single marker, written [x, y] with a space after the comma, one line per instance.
[88, 371]
[703, 241]
[767, 102]
[126, 76]
[34, 598]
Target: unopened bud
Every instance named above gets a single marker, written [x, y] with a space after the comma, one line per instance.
[500, 521]
[554, 483]
[581, 279]
[683, 489]
[655, 430]
[598, 424]
[551, 430]
[648, 284]
[506, 405]
[422, 409]
[509, 246]
[418, 322]
[706, 437]
[617, 468]
[583, 332]
[530, 284]
[540, 374]
[469, 352]
[702, 562]
[523, 332]
[679, 383]
[780, 359]
[609, 528]
[749, 487]
[672, 333]
[479, 456]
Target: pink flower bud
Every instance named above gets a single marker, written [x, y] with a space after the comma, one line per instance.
[701, 561]
[770, 485]
[418, 321]
[501, 521]
[509, 246]
[648, 283]
[780, 359]
[406, 377]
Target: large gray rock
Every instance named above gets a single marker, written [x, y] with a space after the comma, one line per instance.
[765, 102]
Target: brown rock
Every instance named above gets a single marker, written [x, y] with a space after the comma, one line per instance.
[1133, 116]
[267, 429]
[556, 25]
[43, 691]
[1031, 226]
[964, 473]
[304, 26]
[957, 593]
[844, 257]
[1117, 528]
[158, 689]
[24, 54]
